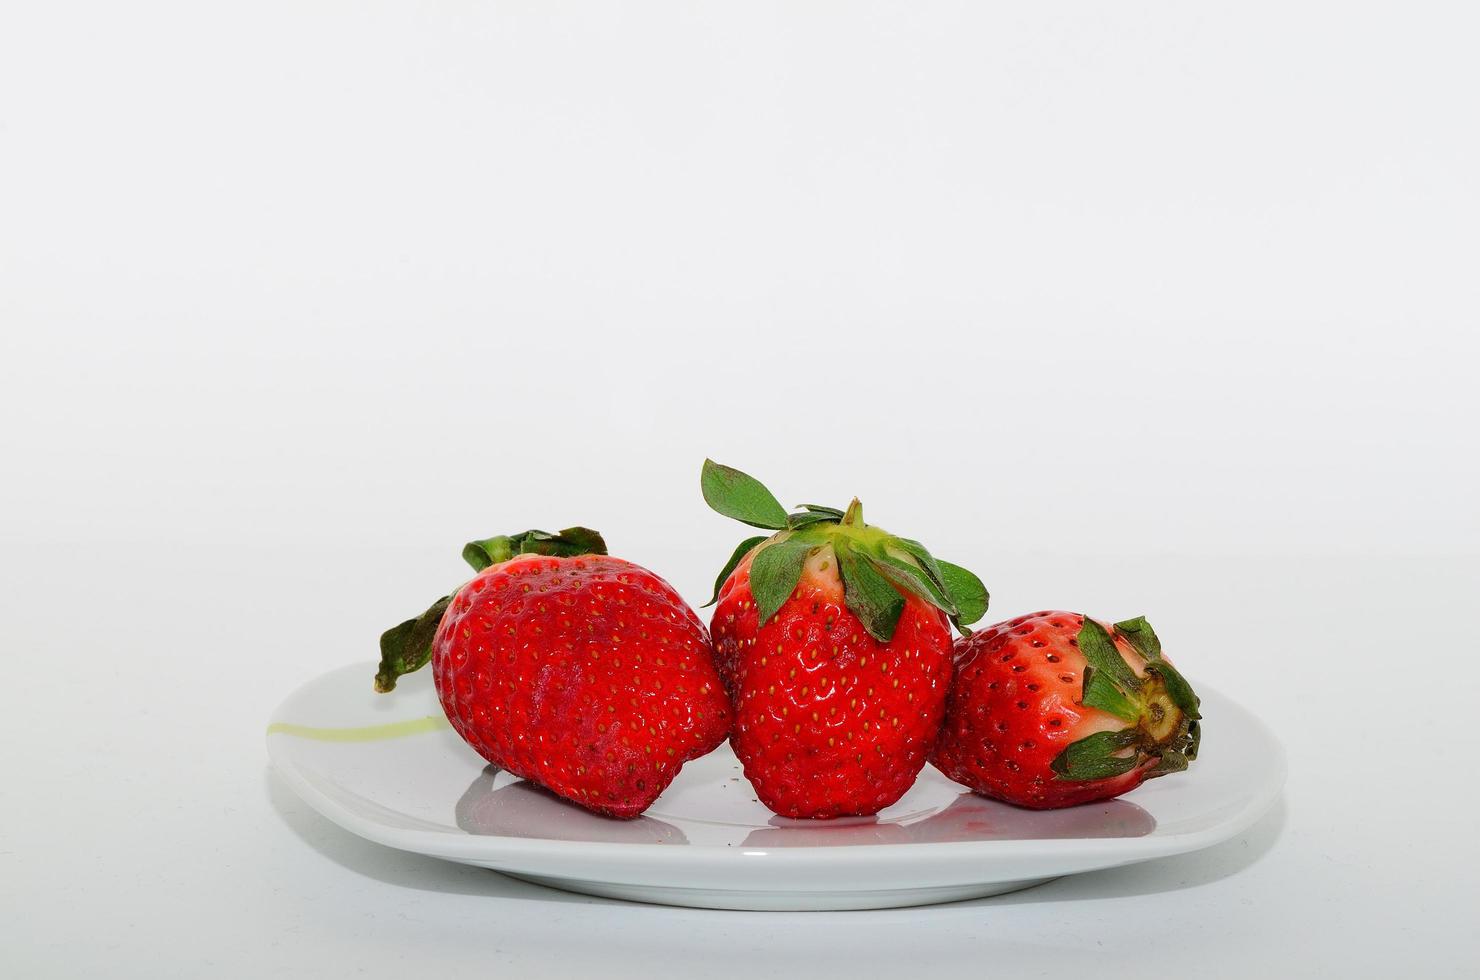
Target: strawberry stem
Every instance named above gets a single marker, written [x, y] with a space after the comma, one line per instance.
[1160, 707]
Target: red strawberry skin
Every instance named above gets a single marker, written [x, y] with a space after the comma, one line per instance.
[828, 720]
[1015, 705]
[588, 675]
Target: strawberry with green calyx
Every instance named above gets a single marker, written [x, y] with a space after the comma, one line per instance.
[833, 639]
[576, 670]
[1055, 709]
[407, 646]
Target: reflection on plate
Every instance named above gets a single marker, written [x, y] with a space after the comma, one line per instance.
[521, 809]
[968, 818]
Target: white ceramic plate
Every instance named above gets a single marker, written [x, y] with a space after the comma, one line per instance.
[390, 768]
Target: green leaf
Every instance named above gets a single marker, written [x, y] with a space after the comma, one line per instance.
[568, 543]
[869, 595]
[912, 577]
[740, 496]
[1093, 757]
[927, 561]
[795, 521]
[821, 509]
[965, 591]
[1171, 761]
[1177, 687]
[1142, 637]
[1100, 651]
[735, 559]
[1193, 741]
[490, 551]
[408, 646]
[1101, 692]
[774, 573]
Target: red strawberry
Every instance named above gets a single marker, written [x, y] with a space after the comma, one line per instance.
[578, 671]
[833, 641]
[1056, 709]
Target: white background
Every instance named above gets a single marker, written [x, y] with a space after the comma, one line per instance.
[1167, 308]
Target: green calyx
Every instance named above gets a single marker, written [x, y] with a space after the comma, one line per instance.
[877, 568]
[407, 646]
[565, 544]
[1160, 709]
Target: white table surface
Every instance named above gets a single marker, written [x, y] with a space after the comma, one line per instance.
[296, 296]
[148, 837]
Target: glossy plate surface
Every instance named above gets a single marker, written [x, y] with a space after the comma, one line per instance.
[390, 768]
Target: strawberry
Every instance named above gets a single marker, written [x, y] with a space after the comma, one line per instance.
[834, 643]
[1056, 709]
[581, 672]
